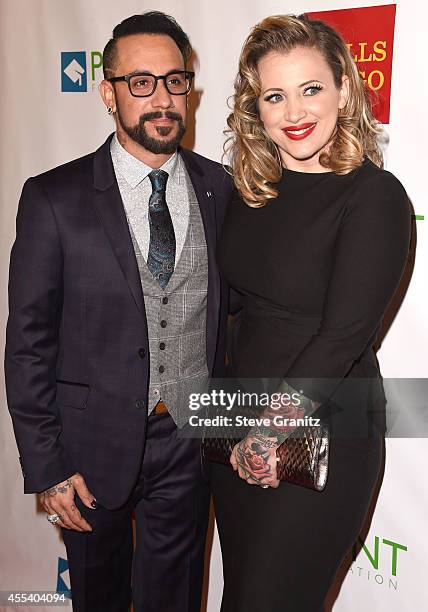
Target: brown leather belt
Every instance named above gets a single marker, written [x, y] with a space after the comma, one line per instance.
[160, 408]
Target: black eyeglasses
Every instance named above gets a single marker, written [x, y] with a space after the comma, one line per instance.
[143, 84]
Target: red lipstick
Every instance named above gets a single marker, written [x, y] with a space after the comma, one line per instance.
[299, 132]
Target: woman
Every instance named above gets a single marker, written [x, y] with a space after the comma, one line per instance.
[316, 243]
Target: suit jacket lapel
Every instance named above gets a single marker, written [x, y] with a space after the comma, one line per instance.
[108, 202]
[206, 199]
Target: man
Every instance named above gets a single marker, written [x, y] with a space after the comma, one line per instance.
[117, 313]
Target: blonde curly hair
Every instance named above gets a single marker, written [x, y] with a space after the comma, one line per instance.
[254, 158]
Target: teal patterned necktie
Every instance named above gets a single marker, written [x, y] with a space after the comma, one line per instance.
[161, 258]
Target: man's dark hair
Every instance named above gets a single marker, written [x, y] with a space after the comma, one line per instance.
[151, 22]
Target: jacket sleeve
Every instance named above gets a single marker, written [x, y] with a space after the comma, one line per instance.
[35, 304]
[370, 255]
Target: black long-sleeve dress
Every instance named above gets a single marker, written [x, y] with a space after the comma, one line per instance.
[317, 268]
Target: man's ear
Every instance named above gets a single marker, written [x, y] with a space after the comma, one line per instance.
[107, 94]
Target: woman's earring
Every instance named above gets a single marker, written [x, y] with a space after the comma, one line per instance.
[109, 110]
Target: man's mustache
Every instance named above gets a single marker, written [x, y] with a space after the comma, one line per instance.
[158, 115]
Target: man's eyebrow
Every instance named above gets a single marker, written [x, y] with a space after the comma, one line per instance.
[146, 72]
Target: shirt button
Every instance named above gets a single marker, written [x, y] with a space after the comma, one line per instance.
[162, 346]
[156, 392]
[139, 404]
[161, 369]
[164, 300]
[142, 353]
[163, 323]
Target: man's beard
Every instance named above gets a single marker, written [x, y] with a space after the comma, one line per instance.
[139, 134]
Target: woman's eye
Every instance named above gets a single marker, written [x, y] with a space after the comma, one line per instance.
[276, 97]
[312, 90]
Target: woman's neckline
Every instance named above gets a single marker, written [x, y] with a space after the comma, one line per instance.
[303, 173]
[297, 173]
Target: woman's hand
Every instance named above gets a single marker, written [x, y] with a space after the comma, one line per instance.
[254, 458]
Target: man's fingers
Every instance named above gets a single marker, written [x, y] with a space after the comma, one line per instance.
[75, 520]
[75, 515]
[70, 515]
[71, 523]
[59, 499]
[83, 492]
[64, 521]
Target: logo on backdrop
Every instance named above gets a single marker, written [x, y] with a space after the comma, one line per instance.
[63, 578]
[80, 70]
[73, 71]
[369, 32]
[377, 560]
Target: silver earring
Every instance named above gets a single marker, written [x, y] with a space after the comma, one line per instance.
[109, 110]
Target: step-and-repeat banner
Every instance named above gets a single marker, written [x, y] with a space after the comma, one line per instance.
[51, 66]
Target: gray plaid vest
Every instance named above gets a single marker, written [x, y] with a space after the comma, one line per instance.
[176, 321]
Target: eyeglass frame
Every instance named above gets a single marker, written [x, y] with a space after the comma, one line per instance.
[160, 77]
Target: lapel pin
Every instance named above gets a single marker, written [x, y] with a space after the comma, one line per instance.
[209, 194]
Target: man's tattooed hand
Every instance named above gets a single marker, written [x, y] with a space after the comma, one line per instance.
[61, 499]
[61, 488]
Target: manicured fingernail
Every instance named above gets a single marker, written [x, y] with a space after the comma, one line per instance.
[94, 504]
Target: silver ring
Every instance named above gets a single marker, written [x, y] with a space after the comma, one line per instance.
[264, 486]
[54, 518]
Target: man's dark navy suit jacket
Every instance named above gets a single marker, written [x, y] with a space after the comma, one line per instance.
[77, 355]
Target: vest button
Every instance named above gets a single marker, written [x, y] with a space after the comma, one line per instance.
[162, 346]
[164, 300]
[142, 353]
[163, 323]
[161, 369]
[139, 404]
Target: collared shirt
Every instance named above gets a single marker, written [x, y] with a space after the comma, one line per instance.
[135, 188]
